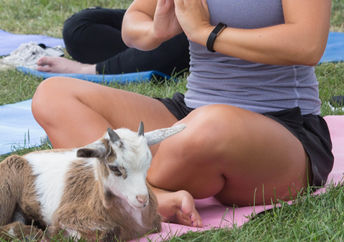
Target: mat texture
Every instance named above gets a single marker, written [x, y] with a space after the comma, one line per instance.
[18, 128]
[334, 51]
[105, 79]
[10, 41]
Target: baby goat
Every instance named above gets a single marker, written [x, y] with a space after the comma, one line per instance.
[95, 192]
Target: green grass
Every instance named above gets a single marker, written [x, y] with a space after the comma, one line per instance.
[311, 218]
[337, 16]
[317, 218]
[331, 83]
[45, 16]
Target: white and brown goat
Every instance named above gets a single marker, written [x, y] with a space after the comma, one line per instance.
[95, 192]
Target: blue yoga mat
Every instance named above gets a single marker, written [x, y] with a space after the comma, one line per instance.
[18, 128]
[10, 41]
[334, 51]
[105, 79]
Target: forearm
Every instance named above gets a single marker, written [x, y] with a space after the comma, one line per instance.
[300, 40]
[285, 44]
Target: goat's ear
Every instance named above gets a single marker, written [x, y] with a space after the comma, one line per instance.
[88, 153]
[141, 131]
[113, 135]
[158, 135]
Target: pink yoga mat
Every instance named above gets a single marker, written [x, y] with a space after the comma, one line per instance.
[215, 215]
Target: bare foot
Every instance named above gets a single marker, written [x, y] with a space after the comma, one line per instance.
[178, 207]
[64, 65]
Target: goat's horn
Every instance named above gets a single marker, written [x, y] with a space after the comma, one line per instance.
[113, 135]
[156, 136]
[140, 132]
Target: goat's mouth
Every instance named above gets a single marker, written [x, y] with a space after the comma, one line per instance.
[137, 206]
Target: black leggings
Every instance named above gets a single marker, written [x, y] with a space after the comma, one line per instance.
[94, 36]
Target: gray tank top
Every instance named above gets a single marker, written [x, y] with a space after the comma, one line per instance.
[216, 78]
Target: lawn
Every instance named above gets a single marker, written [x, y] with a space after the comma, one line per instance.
[311, 218]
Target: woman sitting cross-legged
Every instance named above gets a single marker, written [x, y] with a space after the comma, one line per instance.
[254, 132]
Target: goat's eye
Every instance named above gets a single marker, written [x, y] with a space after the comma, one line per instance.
[116, 170]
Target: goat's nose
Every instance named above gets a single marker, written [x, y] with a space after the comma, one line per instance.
[142, 199]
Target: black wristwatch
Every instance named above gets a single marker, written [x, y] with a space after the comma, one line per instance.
[212, 36]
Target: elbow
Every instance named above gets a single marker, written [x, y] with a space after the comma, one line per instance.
[128, 36]
[307, 47]
[312, 50]
[127, 40]
[307, 44]
[138, 42]
[131, 37]
[140, 38]
[308, 55]
[313, 56]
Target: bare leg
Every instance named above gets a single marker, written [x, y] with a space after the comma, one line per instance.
[64, 65]
[238, 156]
[75, 113]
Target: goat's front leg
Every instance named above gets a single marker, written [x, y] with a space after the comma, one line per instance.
[84, 233]
[20, 231]
[86, 228]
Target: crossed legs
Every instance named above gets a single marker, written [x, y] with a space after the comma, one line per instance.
[240, 157]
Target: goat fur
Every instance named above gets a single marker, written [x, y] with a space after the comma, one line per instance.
[68, 190]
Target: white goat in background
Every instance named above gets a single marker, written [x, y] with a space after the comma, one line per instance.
[95, 192]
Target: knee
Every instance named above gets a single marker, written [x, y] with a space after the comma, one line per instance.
[68, 30]
[73, 31]
[45, 89]
[211, 135]
[45, 97]
[71, 26]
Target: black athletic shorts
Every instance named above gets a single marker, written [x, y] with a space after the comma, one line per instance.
[311, 130]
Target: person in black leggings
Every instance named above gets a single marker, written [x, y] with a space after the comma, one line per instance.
[93, 39]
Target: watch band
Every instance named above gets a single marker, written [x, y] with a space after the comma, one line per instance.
[212, 36]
